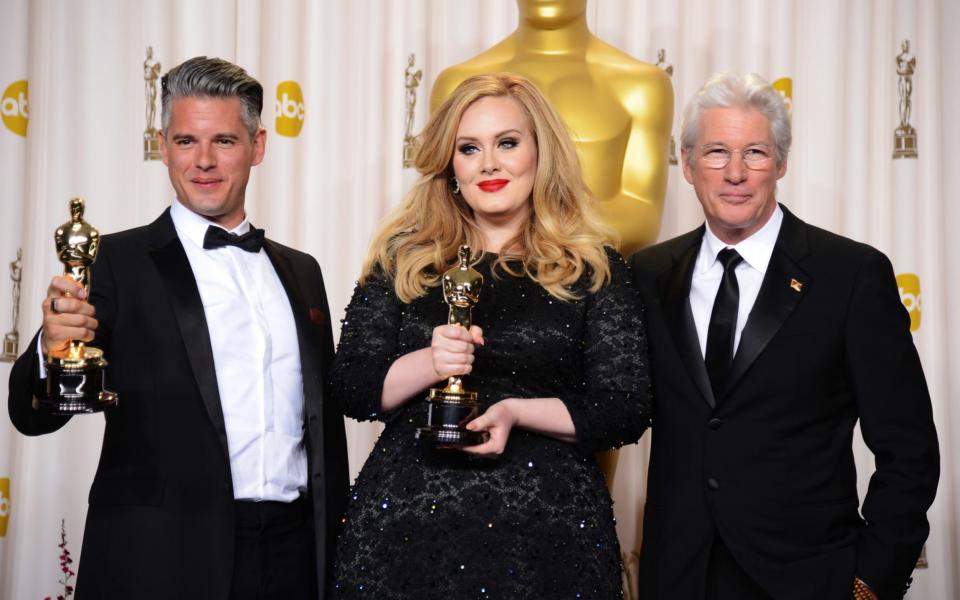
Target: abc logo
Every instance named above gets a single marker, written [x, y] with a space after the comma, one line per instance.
[14, 107]
[289, 108]
[4, 504]
[909, 286]
[784, 85]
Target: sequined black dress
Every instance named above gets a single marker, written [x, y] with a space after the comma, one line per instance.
[538, 521]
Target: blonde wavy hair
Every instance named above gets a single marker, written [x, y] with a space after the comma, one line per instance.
[562, 239]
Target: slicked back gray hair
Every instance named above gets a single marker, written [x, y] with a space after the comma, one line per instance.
[212, 78]
[727, 90]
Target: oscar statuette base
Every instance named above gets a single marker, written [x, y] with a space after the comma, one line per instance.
[448, 411]
[905, 142]
[11, 347]
[410, 147]
[151, 145]
[76, 385]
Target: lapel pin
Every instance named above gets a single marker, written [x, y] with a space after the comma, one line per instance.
[795, 285]
[317, 316]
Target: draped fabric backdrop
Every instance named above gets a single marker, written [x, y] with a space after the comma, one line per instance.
[324, 189]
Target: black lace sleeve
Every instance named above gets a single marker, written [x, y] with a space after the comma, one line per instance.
[615, 408]
[368, 346]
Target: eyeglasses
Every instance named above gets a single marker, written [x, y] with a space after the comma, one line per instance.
[757, 157]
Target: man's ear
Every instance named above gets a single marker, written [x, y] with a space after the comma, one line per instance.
[163, 147]
[259, 146]
[782, 169]
[687, 169]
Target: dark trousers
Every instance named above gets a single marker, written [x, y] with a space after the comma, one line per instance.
[274, 553]
[726, 580]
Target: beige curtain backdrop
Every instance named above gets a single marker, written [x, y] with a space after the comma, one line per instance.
[324, 189]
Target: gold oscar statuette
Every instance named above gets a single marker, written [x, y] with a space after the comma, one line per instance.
[450, 408]
[905, 136]
[11, 341]
[668, 69]
[76, 373]
[151, 135]
[411, 79]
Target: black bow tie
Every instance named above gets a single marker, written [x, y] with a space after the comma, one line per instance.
[217, 237]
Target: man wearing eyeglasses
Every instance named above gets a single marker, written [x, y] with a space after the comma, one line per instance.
[770, 339]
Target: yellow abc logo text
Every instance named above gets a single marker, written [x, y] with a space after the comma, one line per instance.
[784, 85]
[909, 286]
[4, 504]
[14, 107]
[289, 108]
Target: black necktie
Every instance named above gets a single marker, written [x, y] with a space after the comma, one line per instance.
[217, 237]
[723, 322]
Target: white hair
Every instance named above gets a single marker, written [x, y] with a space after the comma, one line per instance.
[728, 90]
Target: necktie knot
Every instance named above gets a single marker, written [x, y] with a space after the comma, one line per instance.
[217, 237]
[729, 258]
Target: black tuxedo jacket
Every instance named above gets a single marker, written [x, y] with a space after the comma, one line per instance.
[161, 518]
[768, 464]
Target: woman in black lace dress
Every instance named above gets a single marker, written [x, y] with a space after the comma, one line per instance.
[557, 354]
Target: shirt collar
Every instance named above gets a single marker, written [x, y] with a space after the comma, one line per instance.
[191, 226]
[756, 250]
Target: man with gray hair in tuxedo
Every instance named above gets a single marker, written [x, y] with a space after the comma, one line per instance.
[769, 340]
[223, 472]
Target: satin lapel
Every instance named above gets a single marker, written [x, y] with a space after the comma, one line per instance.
[309, 359]
[674, 288]
[172, 264]
[783, 287]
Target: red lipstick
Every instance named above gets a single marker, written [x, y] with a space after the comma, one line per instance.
[492, 185]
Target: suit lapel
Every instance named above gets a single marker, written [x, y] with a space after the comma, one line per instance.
[172, 264]
[309, 359]
[784, 286]
[674, 290]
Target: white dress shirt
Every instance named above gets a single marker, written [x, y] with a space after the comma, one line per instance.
[257, 359]
[708, 271]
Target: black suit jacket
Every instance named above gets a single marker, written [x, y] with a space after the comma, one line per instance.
[768, 464]
[161, 518]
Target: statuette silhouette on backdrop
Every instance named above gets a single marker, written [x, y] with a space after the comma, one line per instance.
[668, 69]
[905, 136]
[11, 341]
[411, 81]
[151, 135]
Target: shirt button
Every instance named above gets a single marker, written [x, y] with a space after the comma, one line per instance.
[713, 484]
[714, 424]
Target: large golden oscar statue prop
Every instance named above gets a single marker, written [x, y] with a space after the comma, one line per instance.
[618, 109]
